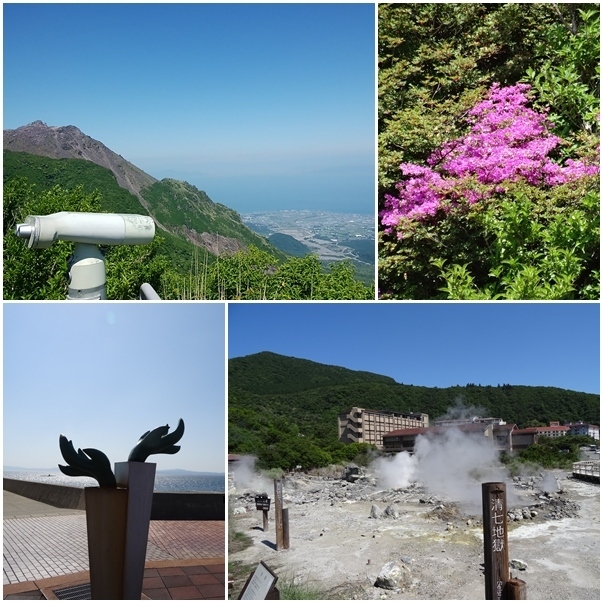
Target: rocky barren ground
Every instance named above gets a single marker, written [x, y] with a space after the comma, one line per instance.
[343, 534]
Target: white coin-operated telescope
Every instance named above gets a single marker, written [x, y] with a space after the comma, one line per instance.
[87, 277]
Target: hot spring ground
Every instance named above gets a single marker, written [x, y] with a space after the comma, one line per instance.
[337, 548]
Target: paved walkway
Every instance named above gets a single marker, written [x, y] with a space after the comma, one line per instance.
[46, 544]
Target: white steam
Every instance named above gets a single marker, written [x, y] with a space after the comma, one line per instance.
[246, 477]
[455, 464]
[395, 471]
[549, 483]
[461, 411]
[450, 464]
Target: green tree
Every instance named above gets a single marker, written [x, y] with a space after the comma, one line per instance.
[536, 245]
[243, 275]
[42, 273]
[568, 78]
[553, 452]
[435, 62]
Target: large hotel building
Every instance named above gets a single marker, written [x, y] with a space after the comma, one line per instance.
[369, 426]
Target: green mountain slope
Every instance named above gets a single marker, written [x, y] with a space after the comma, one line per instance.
[177, 207]
[45, 172]
[267, 373]
[273, 399]
[186, 211]
[190, 213]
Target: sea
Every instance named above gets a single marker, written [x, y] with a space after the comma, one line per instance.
[185, 482]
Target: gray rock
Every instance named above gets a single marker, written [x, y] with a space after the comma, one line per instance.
[375, 512]
[393, 576]
[518, 564]
[391, 511]
[352, 473]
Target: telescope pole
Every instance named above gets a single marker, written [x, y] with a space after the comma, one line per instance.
[87, 277]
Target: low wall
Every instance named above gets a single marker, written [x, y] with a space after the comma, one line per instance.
[203, 506]
[64, 497]
[180, 506]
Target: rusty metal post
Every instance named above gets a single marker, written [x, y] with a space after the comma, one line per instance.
[286, 528]
[278, 513]
[496, 551]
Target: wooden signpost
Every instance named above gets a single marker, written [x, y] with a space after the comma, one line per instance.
[262, 503]
[496, 545]
[278, 513]
[496, 555]
[285, 528]
[280, 518]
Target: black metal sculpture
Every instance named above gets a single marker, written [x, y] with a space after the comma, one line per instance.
[158, 441]
[88, 462]
[94, 463]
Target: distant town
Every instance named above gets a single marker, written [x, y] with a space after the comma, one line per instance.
[332, 236]
[396, 432]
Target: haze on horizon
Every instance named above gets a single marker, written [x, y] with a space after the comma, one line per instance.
[56, 469]
[262, 106]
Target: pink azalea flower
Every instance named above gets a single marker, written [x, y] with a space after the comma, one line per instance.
[508, 142]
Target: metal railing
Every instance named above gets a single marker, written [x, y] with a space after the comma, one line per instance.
[147, 292]
[586, 469]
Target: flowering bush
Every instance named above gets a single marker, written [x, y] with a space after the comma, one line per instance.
[508, 142]
[530, 243]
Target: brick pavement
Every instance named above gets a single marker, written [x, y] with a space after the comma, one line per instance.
[183, 579]
[185, 582]
[43, 547]
[185, 559]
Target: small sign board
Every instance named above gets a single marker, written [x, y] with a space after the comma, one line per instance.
[262, 502]
[259, 584]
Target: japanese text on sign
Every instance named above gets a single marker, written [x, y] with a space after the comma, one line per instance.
[498, 529]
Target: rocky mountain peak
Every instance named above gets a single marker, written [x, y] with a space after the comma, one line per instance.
[69, 142]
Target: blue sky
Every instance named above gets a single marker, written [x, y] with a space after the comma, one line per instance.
[103, 374]
[432, 344]
[262, 106]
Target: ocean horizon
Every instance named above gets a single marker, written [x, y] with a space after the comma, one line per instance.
[185, 482]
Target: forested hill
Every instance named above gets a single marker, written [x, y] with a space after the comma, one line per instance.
[268, 373]
[274, 398]
[186, 215]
